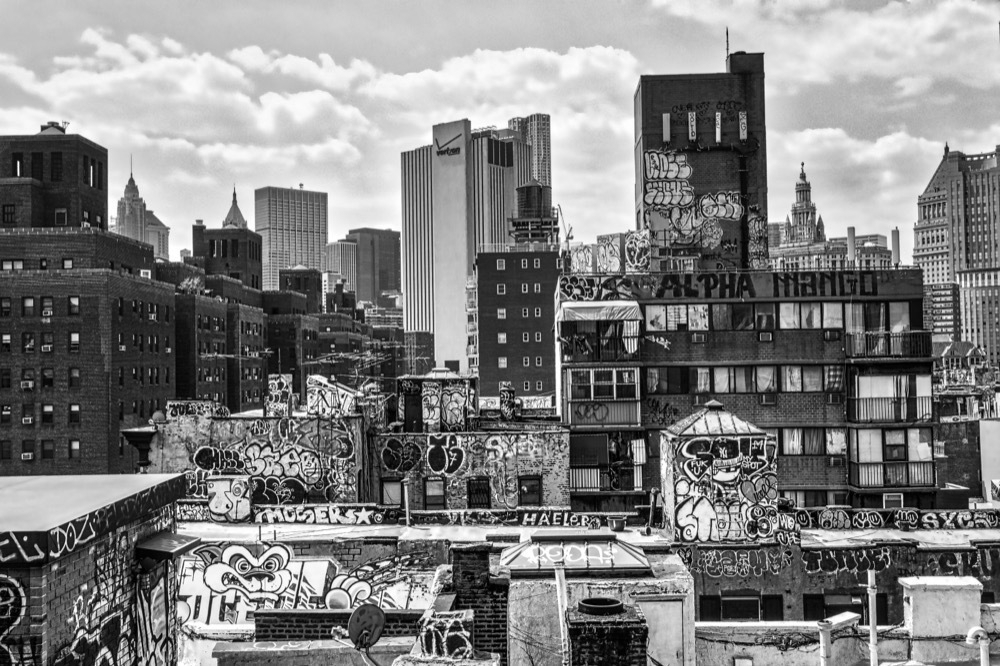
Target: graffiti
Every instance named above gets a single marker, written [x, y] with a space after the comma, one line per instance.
[212, 459]
[843, 518]
[582, 259]
[178, 408]
[21, 548]
[587, 553]
[609, 254]
[447, 634]
[959, 520]
[229, 498]
[659, 413]
[980, 563]
[154, 639]
[430, 401]
[537, 402]
[660, 340]
[331, 399]
[507, 403]
[224, 584]
[590, 411]
[757, 243]
[637, 251]
[724, 205]
[326, 514]
[544, 518]
[398, 456]
[13, 607]
[726, 490]
[454, 396]
[728, 562]
[444, 456]
[278, 400]
[854, 561]
[192, 511]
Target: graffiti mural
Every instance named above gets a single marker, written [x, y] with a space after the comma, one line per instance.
[13, 608]
[278, 400]
[454, 399]
[609, 253]
[847, 560]
[726, 491]
[498, 458]
[177, 408]
[326, 514]
[637, 251]
[447, 634]
[582, 259]
[730, 562]
[430, 400]
[845, 518]
[229, 498]
[326, 398]
[224, 584]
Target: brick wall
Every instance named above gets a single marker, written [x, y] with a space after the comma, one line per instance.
[485, 595]
[811, 472]
[608, 640]
[286, 625]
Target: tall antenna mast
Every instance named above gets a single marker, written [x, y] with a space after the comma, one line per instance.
[727, 42]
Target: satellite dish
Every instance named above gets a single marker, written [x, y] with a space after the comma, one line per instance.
[365, 626]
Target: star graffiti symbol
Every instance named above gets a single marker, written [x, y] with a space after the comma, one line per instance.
[364, 516]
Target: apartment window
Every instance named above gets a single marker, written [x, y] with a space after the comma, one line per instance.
[538, 312]
[6, 450]
[5, 342]
[527, 386]
[5, 307]
[538, 263]
[803, 442]
[48, 339]
[526, 361]
[74, 342]
[604, 384]
[47, 413]
[392, 492]
[48, 449]
[501, 338]
[501, 289]
[74, 413]
[73, 377]
[74, 448]
[501, 265]
[28, 446]
[525, 337]
[529, 490]
[27, 342]
[538, 361]
[434, 494]
[56, 170]
[538, 385]
[524, 263]
[12, 265]
[742, 606]
[47, 306]
[74, 305]
[8, 213]
[524, 287]
[538, 336]
[479, 493]
[4, 377]
[43, 264]
[48, 378]
[502, 362]
[27, 306]
[524, 312]
[5, 412]
[61, 217]
[538, 288]
[27, 412]
[67, 264]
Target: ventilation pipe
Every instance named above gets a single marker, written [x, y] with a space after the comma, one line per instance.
[851, 248]
[895, 246]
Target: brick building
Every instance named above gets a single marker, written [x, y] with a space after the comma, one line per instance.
[85, 349]
[202, 348]
[53, 179]
[306, 281]
[233, 250]
[91, 577]
[294, 343]
[701, 165]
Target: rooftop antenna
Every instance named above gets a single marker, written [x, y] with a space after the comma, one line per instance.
[727, 42]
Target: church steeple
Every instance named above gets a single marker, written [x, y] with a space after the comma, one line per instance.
[234, 218]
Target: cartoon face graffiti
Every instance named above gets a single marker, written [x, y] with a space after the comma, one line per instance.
[228, 498]
[255, 578]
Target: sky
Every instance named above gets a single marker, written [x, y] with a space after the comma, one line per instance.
[206, 97]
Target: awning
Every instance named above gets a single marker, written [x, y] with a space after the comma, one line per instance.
[598, 311]
[165, 546]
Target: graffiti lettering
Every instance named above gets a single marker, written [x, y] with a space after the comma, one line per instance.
[728, 562]
[854, 561]
[447, 634]
[325, 514]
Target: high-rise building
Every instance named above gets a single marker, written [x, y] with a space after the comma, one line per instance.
[458, 194]
[701, 164]
[536, 131]
[293, 226]
[140, 223]
[378, 262]
[955, 240]
[341, 259]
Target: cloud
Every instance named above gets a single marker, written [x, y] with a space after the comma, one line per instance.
[324, 73]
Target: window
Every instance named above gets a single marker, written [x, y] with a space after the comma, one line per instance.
[27, 342]
[526, 361]
[538, 385]
[74, 305]
[8, 214]
[892, 500]
[538, 336]
[47, 413]
[56, 164]
[501, 289]
[764, 313]
[392, 492]
[67, 264]
[27, 306]
[48, 338]
[604, 384]
[538, 361]
[524, 263]
[529, 490]
[74, 448]
[434, 494]
[48, 378]
[501, 338]
[524, 287]
[74, 413]
[538, 263]
[538, 312]
[501, 313]
[524, 312]
[5, 342]
[74, 342]
[4, 377]
[5, 307]
[527, 386]
[73, 377]
[525, 337]
[538, 288]
[479, 493]
[803, 441]
[5, 412]
[501, 265]
[61, 217]
[48, 449]
[28, 446]
[502, 362]
[6, 452]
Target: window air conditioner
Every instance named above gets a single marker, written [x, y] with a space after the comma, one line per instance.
[27, 456]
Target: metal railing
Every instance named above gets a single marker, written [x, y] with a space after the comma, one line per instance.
[906, 344]
[581, 348]
[890, 410]
[892, 475]
[609, 478]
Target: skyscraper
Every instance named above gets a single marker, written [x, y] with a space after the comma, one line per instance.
[377, 262]
[293, 228]
[341, 259]
[140, 223]
[701, 164]
[458, 194]
[536, 132]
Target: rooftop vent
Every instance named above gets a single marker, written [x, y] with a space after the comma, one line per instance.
[600, 606]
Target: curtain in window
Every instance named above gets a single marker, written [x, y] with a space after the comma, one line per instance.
[836, 441]
[656, 318]
[698, 317]
[812, 378]
[811, 315]
[869, 443]
[744, 380]
[791, 382]
[791, 441]
[652, 380]
[834, 378]
[812, 442]
[899, 317]
[630, 333]
[875, 316]
[766, 379]
[677, 318]
[722, 318]
[702, 380]
[924, 385]
[743, 316]
[789, 315]
[833, 315]
[918, 444]
[721, 380]
[765, 316]
[854, 317]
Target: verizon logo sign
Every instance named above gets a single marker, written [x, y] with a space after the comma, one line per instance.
[443, 149]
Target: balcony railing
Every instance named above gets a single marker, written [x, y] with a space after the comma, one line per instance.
[605, 478]
[585, 349]
[907, 344]
[890, 410]
[892, 475]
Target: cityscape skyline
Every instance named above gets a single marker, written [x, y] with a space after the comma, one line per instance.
[334, 112]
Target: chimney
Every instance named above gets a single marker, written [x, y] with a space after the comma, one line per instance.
[604, 632]
[895, 246]
[199, 222]
[851, 248]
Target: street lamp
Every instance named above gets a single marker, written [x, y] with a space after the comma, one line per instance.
[142, 439]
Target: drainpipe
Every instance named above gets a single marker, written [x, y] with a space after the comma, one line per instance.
[979, 634]
[825, 636]
[406, 499]
[872, 629]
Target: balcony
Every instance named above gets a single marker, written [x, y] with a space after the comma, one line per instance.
[878, 345]
[590, 349]
[890, 410]
[605, 478]
[603, 413]
[892, 475]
